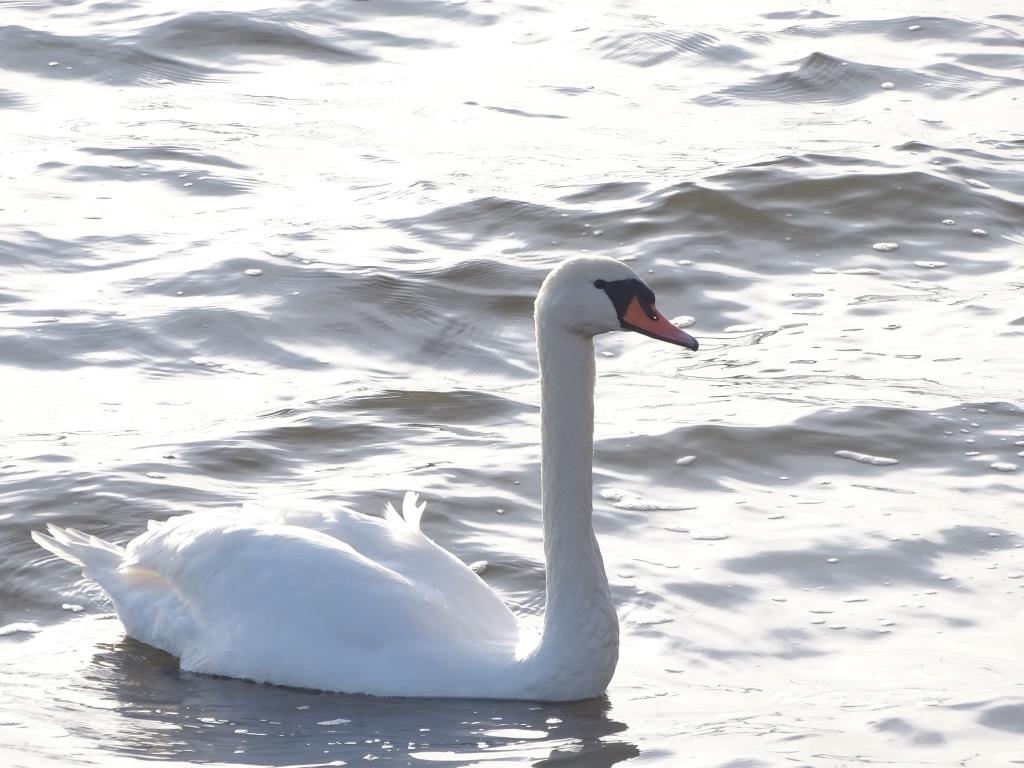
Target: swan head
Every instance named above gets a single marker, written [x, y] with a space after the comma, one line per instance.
[591, 295]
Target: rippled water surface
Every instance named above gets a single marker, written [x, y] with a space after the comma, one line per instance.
[255, 252]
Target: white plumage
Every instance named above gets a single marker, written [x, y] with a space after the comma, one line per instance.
[273, 597]
[336, 600]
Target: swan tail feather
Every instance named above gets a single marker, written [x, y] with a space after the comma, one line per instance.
[148, 606]
[89, 552]
[55, 547]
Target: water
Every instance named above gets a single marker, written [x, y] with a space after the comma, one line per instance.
[261, 253]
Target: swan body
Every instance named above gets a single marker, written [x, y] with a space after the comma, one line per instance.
[340, 601]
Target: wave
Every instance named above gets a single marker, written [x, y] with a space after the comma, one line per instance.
[93, 57]
[224, 36]
[649, 47]
[12, 100]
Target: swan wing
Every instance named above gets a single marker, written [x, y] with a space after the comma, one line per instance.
[251, 596]
[397, 542]
[295, 606]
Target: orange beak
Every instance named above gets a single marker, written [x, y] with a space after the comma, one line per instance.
[654, 324]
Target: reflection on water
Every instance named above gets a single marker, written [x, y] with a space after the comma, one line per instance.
[288, 255]
[135, 701]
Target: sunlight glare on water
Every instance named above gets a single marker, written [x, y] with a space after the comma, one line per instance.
[279, 252]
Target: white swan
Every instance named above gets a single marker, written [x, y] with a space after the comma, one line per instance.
[347, 602]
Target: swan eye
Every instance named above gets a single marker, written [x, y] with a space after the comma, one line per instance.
[601, 284]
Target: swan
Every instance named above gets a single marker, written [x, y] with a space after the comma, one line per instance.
[357, 604]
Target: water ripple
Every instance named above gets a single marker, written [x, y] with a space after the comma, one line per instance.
[104, 60]
[224, 36]
[648, 48]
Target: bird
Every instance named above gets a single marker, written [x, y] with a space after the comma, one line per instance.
[348, 602]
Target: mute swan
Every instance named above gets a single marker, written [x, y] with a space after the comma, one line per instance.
[357, 604]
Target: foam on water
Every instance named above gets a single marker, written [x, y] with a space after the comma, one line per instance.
[19, 627]
[866, 458]
[1004, 466]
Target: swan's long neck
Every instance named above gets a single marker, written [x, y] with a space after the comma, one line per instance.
[579, 645]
